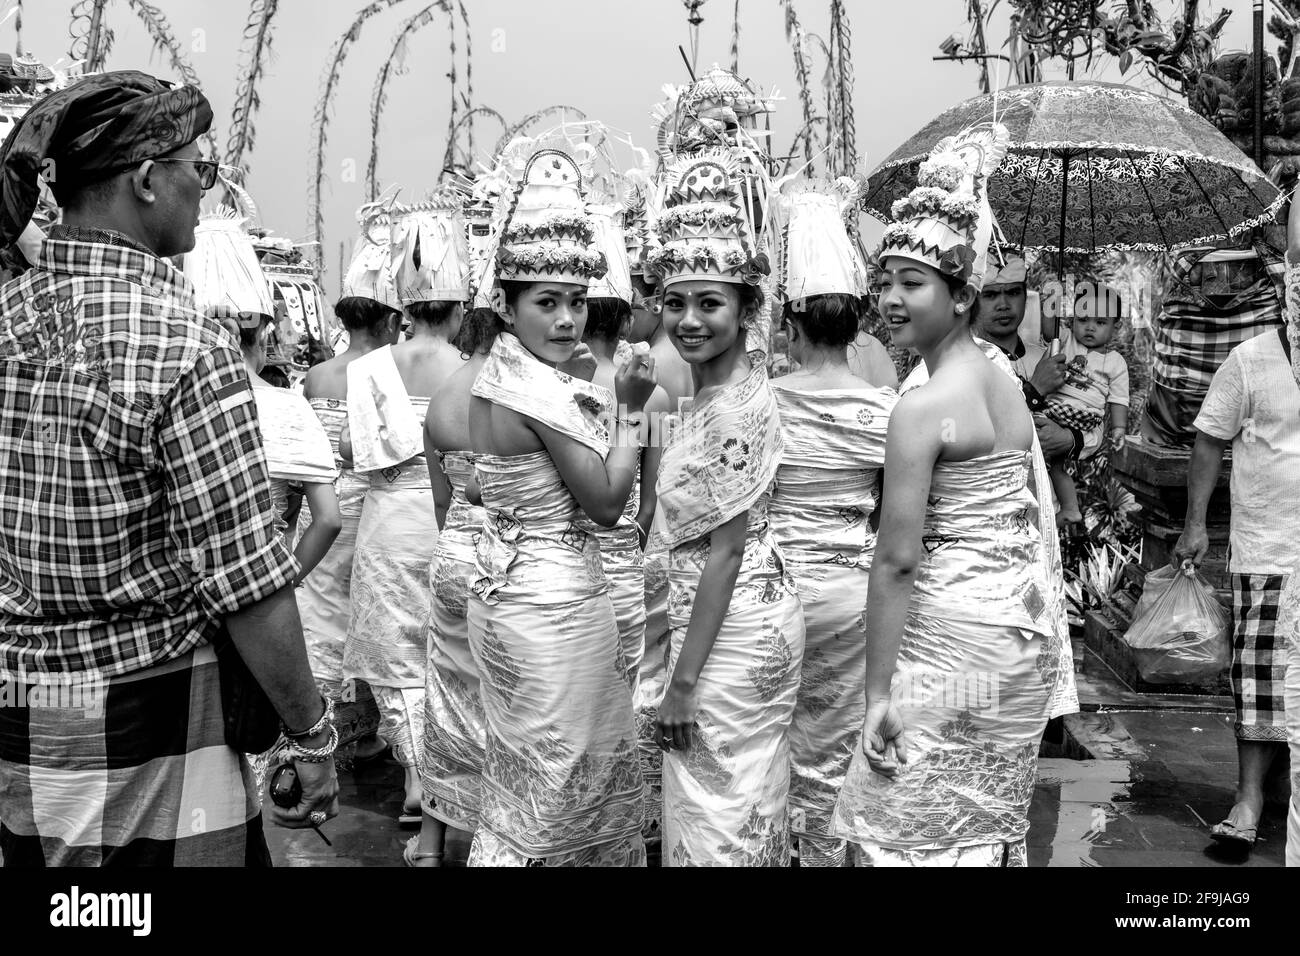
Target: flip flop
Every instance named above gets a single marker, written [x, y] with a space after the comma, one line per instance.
[1229, 832]
[410, 855]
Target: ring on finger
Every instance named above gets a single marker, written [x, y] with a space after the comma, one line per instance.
[317, 817]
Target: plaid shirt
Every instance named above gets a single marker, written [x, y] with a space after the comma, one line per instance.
[135, 504]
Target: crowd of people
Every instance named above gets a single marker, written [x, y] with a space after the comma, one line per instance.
[609, 584]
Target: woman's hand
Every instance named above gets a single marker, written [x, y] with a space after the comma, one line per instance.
[581, 364]
[677, 717]
[634, 383]
[345, 444]
[883, 741]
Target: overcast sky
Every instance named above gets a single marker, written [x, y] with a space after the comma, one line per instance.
[609, 58]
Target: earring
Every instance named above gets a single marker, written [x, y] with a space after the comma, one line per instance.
[961, 308]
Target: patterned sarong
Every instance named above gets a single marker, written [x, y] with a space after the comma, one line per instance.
[1258, 657]
[132, 771]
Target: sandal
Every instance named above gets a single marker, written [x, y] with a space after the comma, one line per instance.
[1229, 832]
[411, 856]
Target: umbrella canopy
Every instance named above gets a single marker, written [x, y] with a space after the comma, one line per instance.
[1096, 166]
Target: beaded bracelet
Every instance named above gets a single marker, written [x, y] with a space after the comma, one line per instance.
[326, 718]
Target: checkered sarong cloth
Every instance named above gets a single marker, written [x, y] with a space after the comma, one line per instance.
[128, 771]
[1192, 340]
[1258, 657]
[1068, 416]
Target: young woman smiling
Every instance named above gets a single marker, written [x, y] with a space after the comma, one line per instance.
[963, 652]
[737, 627]
[561, 782]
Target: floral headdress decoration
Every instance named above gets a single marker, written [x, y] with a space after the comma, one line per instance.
[709, 224]
[946, 222]
[430, 249]
[544, 230]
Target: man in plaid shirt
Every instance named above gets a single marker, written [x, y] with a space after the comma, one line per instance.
[136, 522]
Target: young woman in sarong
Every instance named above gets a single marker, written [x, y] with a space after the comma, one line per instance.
[833, 423]
[561, 783]
[963, 652]
[737, 627]
[398, 532]
[454, 725]
[324, 600]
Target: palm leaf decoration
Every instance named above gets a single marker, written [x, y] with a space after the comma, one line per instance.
[532, 118]
[839, 86]
[802, 72]
[396, 64]
[320, 120]
[253, 58]
[465, 122]
[91, 39]
[735, 38]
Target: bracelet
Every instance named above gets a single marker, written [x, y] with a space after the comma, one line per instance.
[327, 717]
[302, 754]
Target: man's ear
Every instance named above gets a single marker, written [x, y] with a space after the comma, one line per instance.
[143, 186]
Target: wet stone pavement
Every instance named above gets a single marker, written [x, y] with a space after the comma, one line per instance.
[1155, 782]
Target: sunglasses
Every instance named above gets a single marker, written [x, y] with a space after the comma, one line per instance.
[206, 168]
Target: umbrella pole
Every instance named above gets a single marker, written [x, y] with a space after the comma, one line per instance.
[1054, 343]
[1259, 82]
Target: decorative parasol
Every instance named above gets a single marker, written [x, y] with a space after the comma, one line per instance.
[1095, 166]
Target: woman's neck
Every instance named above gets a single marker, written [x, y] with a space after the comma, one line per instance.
[425, 333]
[603, 348]
[658, 335]
[824, 359]
[250, 363]
[726, 368]
[956, 346]
[362, 344]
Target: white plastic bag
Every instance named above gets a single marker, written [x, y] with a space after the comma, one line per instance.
[1180, 633]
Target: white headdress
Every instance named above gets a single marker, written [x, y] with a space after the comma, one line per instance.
[616, 283]
[371, 274]
[818, 256]
[228, 280]
[430, 250]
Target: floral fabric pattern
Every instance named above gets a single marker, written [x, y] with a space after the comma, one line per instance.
[561, 774]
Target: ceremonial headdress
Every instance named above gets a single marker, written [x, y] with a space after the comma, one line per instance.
[371, 274]
[817, 255]
[223, 268]
[616, 283]
[430, 250]
[545, 231]
[98, 126]
[946, 222]
[707, 228]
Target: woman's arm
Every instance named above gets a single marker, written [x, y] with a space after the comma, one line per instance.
[911, 450]
[601, 487]
[326, 523]
[655, 411]
[913, 446]
[437, 477]
[712, 599]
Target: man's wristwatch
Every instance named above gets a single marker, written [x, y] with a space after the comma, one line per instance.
[1033, 399]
